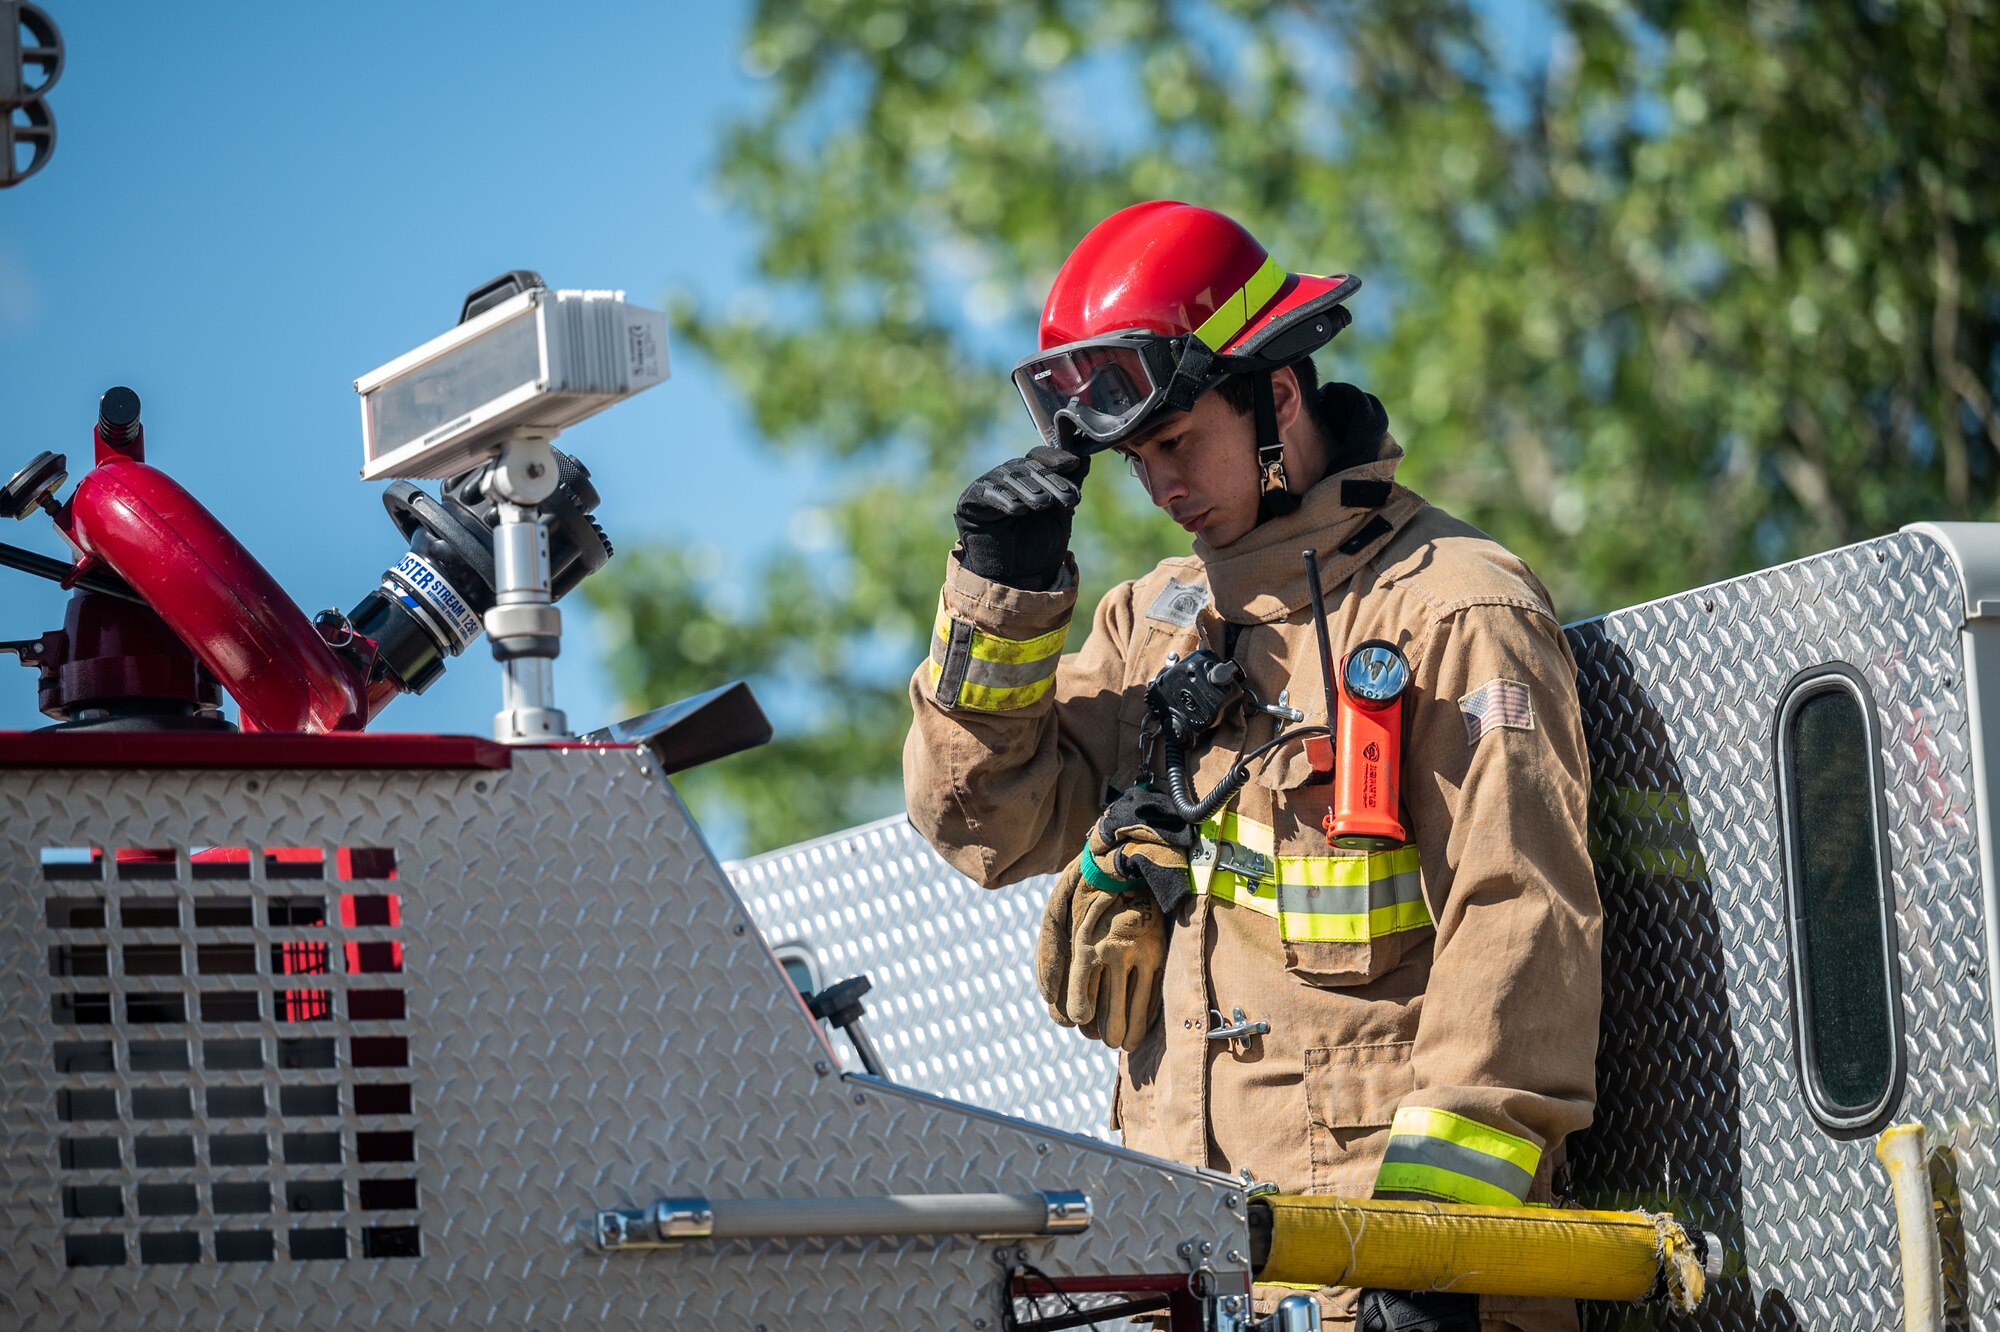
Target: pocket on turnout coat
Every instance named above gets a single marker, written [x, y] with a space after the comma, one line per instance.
[1344, 917]
[1352, 1092]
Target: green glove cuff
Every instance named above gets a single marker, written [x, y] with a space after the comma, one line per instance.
[1095, 875]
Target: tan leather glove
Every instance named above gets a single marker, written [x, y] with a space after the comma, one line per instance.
[1100, 955]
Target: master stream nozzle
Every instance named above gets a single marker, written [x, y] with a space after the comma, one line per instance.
[432, 603]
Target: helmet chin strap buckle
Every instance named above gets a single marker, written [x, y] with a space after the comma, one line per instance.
[1277, 497]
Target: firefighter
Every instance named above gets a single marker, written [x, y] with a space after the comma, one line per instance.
[1417, 1022]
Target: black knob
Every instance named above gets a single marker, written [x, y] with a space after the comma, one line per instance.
[118, 415]
[840, 1003]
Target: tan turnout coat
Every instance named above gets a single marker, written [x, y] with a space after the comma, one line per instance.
[1438, 1037]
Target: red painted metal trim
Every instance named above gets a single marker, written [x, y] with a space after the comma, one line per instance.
[140, 749]
[1184, 1308]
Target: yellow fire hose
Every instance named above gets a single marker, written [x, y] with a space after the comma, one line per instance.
[1484, 1250]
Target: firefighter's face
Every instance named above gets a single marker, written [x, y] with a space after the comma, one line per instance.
[1201, 465]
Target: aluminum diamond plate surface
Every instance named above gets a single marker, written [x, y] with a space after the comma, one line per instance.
[219, 1117]
[1701, 1105]
[954, 1008]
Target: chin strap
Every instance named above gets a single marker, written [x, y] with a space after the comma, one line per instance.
[1277, 498]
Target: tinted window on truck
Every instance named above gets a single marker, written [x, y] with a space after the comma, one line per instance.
[1844, 985]
[800, 966]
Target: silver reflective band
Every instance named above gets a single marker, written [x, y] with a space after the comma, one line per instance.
[673, 1221]
[1067, 1212]
[1458, 1159]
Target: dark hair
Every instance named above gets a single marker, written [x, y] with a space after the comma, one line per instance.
[1238, 391]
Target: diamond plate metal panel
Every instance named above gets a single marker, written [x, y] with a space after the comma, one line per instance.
[1700, 1104]
[954, 1009]
[592, 1020]
[1700, 1098]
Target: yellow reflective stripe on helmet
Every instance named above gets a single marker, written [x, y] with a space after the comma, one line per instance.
[1318, 899]
[986, 672]
[1235, 310]
[1448, 1156]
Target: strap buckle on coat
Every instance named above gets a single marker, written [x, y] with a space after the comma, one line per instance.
[1234, 858]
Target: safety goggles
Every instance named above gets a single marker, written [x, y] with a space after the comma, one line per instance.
[1107, 386]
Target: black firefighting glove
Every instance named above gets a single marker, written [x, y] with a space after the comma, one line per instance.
[1014, 521]
[1149, 841]
[1412, 1311]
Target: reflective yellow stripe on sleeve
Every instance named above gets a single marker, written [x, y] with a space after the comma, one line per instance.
[1446, 1156]
[987, 673]
[1315, 899]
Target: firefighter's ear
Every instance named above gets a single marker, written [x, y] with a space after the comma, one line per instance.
[1286, 399]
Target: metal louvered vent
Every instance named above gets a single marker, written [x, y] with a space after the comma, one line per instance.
[229, 1025]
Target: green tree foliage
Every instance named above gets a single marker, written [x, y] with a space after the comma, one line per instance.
[1688, 289]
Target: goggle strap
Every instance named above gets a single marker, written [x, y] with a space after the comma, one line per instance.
[1190, 375]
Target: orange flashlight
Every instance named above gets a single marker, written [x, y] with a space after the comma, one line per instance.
[1368, 743]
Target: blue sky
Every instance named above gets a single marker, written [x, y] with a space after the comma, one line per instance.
[249, 205]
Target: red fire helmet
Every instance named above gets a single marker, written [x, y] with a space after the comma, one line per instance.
[1159, 302]
[1175, 268]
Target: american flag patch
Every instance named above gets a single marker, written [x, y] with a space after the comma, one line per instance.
[1495, 704]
